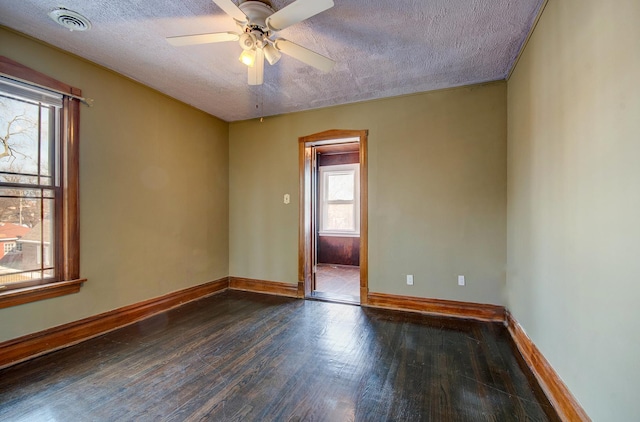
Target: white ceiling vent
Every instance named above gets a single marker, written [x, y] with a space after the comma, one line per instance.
[71, 20]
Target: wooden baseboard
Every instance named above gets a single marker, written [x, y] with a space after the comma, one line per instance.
[262, 286]
[479, 311]
[36, 344]
[561, 399]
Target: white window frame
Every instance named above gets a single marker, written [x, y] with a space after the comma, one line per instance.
[10, 247]
[324, 173]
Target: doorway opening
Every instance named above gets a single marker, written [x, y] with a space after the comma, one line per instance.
[332, 252]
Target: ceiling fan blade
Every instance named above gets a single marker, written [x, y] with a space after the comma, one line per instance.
[182, 40]
[305, 55]
[232, 10]
[256, 72]
[297, 12]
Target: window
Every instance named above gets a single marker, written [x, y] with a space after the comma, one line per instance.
[12, 247]
[29, 182]
[340, 200]
[38, 182]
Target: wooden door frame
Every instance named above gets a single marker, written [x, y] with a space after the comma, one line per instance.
[305, 232]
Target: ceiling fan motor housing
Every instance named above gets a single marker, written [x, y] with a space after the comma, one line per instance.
[257, 12]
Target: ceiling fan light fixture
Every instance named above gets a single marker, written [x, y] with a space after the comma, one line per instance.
[248, 57]
[271, 54]
[247, 41]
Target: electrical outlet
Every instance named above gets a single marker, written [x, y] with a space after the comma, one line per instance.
[461, 280]
[409, 279]
[287, 198]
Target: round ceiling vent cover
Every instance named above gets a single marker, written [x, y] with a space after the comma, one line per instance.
[71, 20]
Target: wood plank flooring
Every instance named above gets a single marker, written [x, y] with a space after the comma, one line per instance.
[340, 282]
[240, 356]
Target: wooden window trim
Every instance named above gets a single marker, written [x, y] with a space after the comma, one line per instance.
[15, 297]
[68, 250]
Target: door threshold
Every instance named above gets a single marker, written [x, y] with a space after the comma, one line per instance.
[334, 297]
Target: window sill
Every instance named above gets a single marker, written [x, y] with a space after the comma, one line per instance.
[43, 291]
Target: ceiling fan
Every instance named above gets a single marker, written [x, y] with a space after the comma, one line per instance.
[258, 24]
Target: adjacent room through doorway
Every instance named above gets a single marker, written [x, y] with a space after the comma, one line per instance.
[337, 228]
[333, 216]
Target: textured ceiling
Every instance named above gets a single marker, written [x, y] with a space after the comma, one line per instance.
[382, 48]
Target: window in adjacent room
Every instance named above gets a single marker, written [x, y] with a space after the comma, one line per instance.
[340, 200]
[38, 183]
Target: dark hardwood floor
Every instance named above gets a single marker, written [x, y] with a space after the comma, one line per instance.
[240, 356]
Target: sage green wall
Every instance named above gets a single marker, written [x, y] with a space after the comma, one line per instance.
[154, 192]
[574, 199]
[437, 192]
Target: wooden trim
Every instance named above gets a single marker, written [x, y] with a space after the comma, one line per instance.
[277, 288]
[70, 164]
[469, 310]
[556, 391]
[40, 292]
[32, 345]
[303, 209]
[332, 134]
[15, 69]
[364, 218]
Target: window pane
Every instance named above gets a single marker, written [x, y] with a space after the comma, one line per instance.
[19, 150]
[27, 234]
[340, 187]
[18, 178]
[340, 217]
[21, 206]
[47, 133]
[47, 235]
